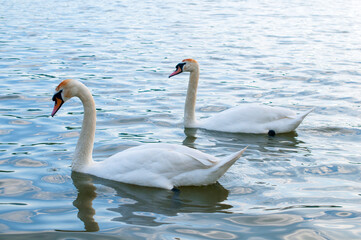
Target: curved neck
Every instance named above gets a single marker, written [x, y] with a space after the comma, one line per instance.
[84, 147]
[190, 104]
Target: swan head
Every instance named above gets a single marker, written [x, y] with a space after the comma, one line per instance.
[187, 65]
[63, 92]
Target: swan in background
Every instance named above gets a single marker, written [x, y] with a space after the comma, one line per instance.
[154, 165]
[246, 118]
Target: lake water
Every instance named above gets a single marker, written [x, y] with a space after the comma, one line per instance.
[296, 54]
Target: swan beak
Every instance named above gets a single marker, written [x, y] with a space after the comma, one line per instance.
[177, 71]
[58, 102]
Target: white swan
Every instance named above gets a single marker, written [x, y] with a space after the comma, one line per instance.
[246, 118]
[153, 165]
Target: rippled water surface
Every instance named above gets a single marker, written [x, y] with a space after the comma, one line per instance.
[296, 54]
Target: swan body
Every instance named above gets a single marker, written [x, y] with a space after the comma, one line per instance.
[154, 165]
[246, 118]
[254, 118]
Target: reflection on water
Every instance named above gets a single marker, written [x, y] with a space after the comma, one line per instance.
[287, 140]
[157, 208]
[15, 187]
[190, 138]
[145, 206]
[84, 201]
[61, 235]
[267, 220]
[305, 234]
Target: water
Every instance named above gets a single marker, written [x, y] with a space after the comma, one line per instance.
[296, 54]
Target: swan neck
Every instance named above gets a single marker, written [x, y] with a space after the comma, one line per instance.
[190, 104]
[84, 147]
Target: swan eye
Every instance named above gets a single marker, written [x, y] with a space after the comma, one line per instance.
[57, 95]
[180, 65]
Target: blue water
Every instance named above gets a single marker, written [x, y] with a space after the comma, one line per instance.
[295, 54]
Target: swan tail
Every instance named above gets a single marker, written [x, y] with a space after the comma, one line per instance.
[298, 120]
[228, 161]
[303, 115]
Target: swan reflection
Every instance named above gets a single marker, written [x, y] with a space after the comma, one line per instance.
[84, 200]
[143, 205]
[262, 142]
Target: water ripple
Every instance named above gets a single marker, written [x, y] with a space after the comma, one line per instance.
[295, 54]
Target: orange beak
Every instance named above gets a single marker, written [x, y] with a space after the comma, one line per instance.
[179, 69]
[58, 102]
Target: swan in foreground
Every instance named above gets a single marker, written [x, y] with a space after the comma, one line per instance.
[246, 118]
[154, 165]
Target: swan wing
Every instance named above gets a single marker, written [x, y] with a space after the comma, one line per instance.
[248, 118]
[255, 113]
[155, 165]
[180, 150]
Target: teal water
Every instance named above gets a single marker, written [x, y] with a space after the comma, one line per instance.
[296, 54]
